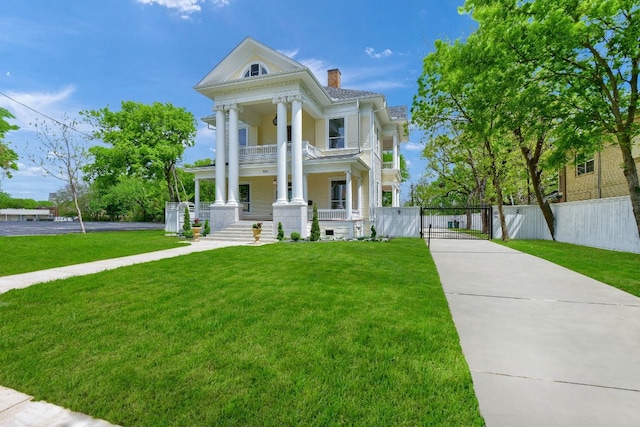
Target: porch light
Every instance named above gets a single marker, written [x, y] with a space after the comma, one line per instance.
[275, 182]
[275, 120]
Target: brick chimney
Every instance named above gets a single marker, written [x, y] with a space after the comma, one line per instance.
[333, 78]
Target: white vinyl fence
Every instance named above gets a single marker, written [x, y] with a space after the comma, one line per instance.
[398, 222]
[601, 223]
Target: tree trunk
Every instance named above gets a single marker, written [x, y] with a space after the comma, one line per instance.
[533, 161]
[631, 173]
[496, 184]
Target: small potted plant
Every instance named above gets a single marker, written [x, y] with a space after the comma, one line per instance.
[196, 227]
[257, 229]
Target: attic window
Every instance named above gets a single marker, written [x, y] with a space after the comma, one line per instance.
[256, 69]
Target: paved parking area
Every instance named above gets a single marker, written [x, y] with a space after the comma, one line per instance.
[35, 228]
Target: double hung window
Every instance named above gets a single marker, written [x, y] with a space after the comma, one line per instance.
[585, 167]
[336, 133]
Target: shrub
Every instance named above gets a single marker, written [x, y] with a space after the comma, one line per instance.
[207, 227]
[295, 236]
[186, 226]
[315, 225]
[373, 232]
[280, 232]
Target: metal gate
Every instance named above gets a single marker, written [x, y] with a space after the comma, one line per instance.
[457, 223]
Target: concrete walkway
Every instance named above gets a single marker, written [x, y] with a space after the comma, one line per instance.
[545, 346]
[17, 409]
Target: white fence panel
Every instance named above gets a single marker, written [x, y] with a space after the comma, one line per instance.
[600, 223]
[523, 222]
[603, 223]
[398, 222]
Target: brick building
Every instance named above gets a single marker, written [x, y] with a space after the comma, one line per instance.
[597, 178]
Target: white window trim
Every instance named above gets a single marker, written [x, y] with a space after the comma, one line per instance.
[331, 181]
[328, 146]
[584, 164]
[262, 66]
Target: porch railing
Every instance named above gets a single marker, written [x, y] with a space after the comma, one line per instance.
[387, 165]
[333, 214]
[268, 152]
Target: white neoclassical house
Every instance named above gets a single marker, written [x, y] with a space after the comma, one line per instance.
[285, 142]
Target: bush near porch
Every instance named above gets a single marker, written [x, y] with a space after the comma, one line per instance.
[355, 333]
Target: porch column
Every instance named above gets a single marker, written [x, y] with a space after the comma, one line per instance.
[221, 173]
[305, 187]
[359, 196]
[349, 195]
[281, 151]
[394, 195]
[234, 165]
[197, 198]
[396, 154]
[297, 196]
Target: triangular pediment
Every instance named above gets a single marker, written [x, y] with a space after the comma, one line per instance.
[239, 60]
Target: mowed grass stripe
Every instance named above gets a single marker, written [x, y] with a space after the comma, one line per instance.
[24, 254]
[355, 333]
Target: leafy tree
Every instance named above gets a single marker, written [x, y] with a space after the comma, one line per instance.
[8, 157]
[207, 188]
[143, 141]
[453, 99]
[62, 153]
[588, 52]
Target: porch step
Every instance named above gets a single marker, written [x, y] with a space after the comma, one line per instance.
[242, 232]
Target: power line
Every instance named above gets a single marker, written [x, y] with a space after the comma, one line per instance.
[44, 115]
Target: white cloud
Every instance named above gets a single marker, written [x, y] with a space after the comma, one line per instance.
[318, 67]
[290, 53]
[412, 146]
[29, 171]
[185, 7]
[22, 104]
[371, 52]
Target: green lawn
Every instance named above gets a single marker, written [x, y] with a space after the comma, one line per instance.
[25, 254]
[342, 333]
[618, 269]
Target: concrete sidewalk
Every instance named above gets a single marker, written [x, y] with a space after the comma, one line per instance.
[17, 409]
[546, 346]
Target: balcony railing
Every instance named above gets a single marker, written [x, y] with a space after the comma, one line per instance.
[387, 165]
[261, 153]
[333, 214]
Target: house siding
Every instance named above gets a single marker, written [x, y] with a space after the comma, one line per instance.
[606, 180]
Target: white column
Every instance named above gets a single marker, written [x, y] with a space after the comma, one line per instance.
[349, 195]
[359, 184]
[234, 164]
[297, 197]
[396, 154]
[305, 189]
[281, 151]
[197, 198]
[221, 172]
[394, 195]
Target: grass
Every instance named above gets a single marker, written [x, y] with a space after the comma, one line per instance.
[618, 269]
[342, 333]
[25, 254]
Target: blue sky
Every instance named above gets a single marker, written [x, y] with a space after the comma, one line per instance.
[62, 57]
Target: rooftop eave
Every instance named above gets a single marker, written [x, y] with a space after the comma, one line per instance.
[248, 83]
